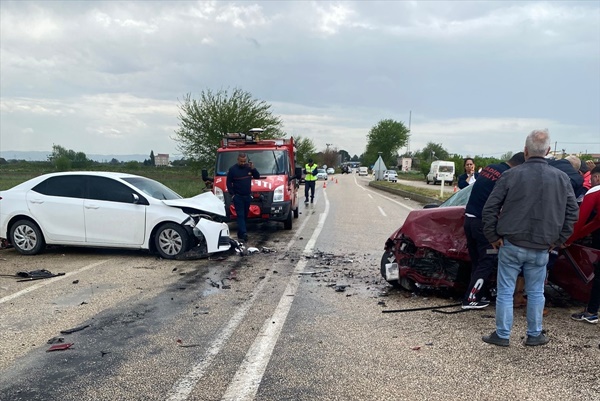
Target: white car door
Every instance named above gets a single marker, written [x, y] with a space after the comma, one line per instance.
[111, 217]
[56, 204]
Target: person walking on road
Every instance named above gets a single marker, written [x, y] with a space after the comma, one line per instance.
[310, 169]
[531, 210]
[483, 261]
[239, 185]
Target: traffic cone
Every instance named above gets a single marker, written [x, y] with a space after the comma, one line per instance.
[325, 184]
[455, 189]
[336, 180]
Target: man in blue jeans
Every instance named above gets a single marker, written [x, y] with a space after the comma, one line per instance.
[531, 210]
[239, 185]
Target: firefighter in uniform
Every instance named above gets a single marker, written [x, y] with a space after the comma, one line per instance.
[310, 169]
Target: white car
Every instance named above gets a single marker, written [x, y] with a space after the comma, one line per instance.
[390, 175]
[321, 174]
[363, 171]
[109, 210]
[330, 170]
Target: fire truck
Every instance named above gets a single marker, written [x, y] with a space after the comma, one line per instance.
[275, 193]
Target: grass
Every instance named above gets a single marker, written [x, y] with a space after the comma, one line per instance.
[430, 193]
[183, 180]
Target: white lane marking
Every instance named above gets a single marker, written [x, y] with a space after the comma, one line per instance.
[48, 282]
[370, 196]
[393, 200]
[185, 385]
[381, 211]
[246, 381]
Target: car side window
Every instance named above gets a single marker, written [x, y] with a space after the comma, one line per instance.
[107, 189]
[68, 186]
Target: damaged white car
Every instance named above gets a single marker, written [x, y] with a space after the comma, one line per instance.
[110, 210]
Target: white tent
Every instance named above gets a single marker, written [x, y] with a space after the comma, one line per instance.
[379, 168]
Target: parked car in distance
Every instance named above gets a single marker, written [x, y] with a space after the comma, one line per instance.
[321, 174]
[110, 210]
[390, 175]
[363, 171]
[330, 170]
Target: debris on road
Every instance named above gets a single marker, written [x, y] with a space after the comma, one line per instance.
[181, 344]
[315, 272]
[37, 275]
[56, 340]
[60, 347]
[74, 329]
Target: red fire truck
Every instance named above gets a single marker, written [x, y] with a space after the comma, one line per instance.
[275, 193]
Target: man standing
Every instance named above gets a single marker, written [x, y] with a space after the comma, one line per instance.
[310, 169]
[239, 185]
[482, 261]
[531, 210]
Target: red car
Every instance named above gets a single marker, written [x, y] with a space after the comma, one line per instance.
[430, 251]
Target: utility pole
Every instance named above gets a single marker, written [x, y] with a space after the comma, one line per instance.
[408, 140]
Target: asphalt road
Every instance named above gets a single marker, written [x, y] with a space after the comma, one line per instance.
[299, 320]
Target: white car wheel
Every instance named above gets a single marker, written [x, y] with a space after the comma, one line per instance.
[27, 238]
[171, 241]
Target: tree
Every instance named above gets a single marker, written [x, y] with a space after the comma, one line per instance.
[203, 122]
[386, 138]
[431, 151]
[305, 148]
[329, 157]
[344, 156]
[152, 159]
[64, 159]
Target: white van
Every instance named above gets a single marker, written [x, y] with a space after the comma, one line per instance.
[439, 171]
[363, 171]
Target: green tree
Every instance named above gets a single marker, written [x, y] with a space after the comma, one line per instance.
[431, 151]
[305, 148]
[203, 122]
[344, 156]
[152, 159]
[386, 137]
[60, 155]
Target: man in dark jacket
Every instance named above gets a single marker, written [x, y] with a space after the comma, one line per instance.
[239, 185]
[570, 165]
[482, 261]
[531, 209]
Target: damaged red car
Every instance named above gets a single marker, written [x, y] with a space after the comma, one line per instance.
[430, 251]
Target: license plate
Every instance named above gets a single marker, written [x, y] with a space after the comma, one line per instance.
[392, 272]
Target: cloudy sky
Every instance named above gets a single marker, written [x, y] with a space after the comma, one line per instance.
[107, 77]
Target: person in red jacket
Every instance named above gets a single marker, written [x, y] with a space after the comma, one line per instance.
[589, 223]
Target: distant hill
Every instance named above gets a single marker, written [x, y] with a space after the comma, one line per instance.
[42, 156]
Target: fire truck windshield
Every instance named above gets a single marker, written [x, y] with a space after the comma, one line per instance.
[267, 162]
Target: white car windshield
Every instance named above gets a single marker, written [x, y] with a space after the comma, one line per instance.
[152, 188]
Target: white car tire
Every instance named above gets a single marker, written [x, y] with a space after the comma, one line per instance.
[27, 238]
[171, 241]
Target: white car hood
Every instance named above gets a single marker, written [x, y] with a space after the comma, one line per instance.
[206, 202]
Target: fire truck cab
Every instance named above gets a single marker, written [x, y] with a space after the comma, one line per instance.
[275, 193]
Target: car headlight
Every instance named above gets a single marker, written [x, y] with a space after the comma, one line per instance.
[278, 194]
[219, 194]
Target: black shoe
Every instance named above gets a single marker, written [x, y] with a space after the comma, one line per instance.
[494, 339]
[311, 201]
[537, 340]
[475, 304]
